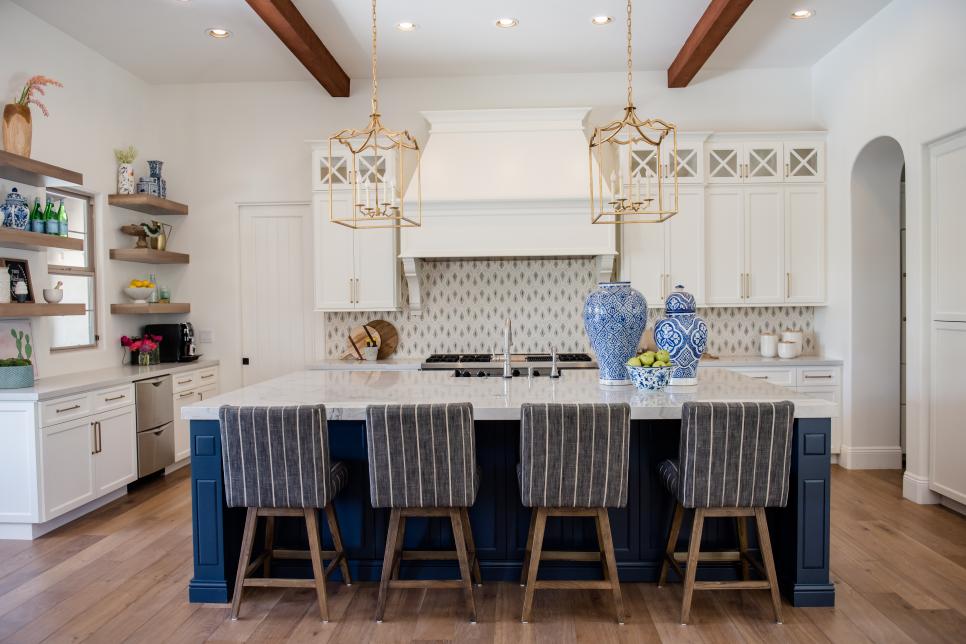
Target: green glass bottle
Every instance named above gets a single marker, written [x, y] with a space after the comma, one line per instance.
[51, 227]
[36, 217]
[62, 220]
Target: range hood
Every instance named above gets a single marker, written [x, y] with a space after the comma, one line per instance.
[505, 183]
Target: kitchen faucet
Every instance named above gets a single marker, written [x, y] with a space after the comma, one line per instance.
[507, 341]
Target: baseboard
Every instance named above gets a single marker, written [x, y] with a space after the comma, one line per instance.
[953, 505]
[871, 458]
[174, 467]
[30, 531]
[916, 489]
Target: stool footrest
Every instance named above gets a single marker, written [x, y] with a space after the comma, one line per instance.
[732, 585]
[279, 582]
[426, 583]
[569, 584]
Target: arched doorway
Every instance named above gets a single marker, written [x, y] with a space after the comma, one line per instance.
[877, 307]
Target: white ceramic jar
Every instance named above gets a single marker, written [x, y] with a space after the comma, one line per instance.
[788, 350]
[768, 345]
[4, 285]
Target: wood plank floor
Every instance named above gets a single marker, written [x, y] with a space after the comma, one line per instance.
[120, 575]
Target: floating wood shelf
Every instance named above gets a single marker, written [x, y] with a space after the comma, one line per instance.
[36, 173]
[39, 309]
[147, 309]
[148, 256]
[148, 204]
[13, 238]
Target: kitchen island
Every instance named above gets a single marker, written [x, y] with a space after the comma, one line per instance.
[799, 532]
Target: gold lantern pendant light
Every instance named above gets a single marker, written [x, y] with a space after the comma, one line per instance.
[378, 162]
[630, 182]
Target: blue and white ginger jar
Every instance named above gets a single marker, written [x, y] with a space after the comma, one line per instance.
[614, 317]
[16, 212]
[683, 335]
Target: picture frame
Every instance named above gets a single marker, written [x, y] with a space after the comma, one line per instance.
[19, 270]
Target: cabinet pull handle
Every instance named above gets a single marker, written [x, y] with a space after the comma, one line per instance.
[94, 437]
[825, 377]
[186, 394]
[786, 170]
[759, 377]
[121, 397]
[210, 375]
[71, 408]
[788, 285]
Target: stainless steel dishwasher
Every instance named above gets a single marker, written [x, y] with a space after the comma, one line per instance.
[155, 424]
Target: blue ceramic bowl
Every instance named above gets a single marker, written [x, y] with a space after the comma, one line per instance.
[650, 378]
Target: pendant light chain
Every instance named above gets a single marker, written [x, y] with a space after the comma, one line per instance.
[375, 80]
[630, 62]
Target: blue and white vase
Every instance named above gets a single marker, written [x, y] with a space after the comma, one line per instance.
[154, 168]
[15, 211]
[683, 335]
[614, 317]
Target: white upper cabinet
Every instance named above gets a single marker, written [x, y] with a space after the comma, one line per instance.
[643, 260]
[725, 162]
[804, 161]
[744, 162]
[763, 162]
[354, 269]
[805, 244]
[724, 234]
[764, 243]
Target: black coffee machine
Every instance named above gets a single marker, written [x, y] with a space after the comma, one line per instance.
[177, 341]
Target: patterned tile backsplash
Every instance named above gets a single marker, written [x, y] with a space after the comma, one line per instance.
[465, 304]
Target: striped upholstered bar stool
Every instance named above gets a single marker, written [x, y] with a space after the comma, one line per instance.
[733, 461]
[276, 463]
[573, 463]
[422, 463]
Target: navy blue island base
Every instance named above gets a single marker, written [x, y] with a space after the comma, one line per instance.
[799, 532]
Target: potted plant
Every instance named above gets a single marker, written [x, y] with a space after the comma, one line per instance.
[145, 351]
[125, 169]
[16, 373]
[17, 122]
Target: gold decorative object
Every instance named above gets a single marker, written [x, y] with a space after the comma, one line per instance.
[629, 183]
[376, 197]
[157, 234]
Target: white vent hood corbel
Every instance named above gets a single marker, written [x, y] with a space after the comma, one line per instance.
[506, 183]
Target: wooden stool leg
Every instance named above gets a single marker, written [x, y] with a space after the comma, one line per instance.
[603, 521]
[397, 553]
[764, 540]
[743, 546]
[471, 546]
[459, 539]
[244, 557]
[694, 551]
[315, 552]
[600, 548]
[525, 568]
[387, 562]
[337, 542]
[672, 542]
[269, 544]
[539, 525]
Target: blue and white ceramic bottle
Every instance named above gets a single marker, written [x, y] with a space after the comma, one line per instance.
[615, 316]
[683, 335]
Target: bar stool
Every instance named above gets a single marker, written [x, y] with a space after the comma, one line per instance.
[734, 461]
[276, 463]
[573, 463]
[422, 463]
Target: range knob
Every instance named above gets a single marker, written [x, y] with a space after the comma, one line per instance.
[481, 374]
[457, 373]
[516, 372]
[536, 372]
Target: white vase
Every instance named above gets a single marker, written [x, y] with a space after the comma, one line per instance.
[125, 179]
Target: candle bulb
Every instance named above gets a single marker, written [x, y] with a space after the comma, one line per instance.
[367, 195]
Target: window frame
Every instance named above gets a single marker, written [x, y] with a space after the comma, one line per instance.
[90, 270]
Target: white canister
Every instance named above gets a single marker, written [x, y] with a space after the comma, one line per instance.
[794, 335]
[370, 353]
[4, 285]
[788, 350]
[768, 344]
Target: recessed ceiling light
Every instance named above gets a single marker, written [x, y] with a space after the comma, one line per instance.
[218, 32]
[506, 23]
[802, 14]
[406, 26]
[601, 20]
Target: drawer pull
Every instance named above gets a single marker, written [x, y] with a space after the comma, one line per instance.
[186, 394]
[121, 397]
[825, 377]
[210, 375]
[760, 377]
[184, 382]
[71, 408]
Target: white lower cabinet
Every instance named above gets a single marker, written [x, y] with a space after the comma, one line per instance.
[68, 466]
[116, 455]
[206, 386]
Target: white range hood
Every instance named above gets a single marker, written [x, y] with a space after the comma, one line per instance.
[505, 183]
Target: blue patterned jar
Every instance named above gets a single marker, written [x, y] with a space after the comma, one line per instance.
[16, 212]
[683, 335]
[614, 317]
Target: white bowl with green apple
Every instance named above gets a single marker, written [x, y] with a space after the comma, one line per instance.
[650, 370]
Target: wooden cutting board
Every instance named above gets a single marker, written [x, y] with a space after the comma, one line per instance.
[357, 341]
[389, 337]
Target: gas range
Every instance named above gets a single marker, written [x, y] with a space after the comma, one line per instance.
[522, 364]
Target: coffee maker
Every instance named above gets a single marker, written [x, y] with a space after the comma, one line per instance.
[177, 341]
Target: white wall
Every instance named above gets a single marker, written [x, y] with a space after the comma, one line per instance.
[100, 107]
[902, 74]
[232, 143]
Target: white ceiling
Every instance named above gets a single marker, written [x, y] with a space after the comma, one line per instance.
[164, 41]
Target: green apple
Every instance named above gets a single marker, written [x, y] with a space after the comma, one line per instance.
[647, 359]
[634, 362]
[663, 356]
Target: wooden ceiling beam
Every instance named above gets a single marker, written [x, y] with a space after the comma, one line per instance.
[712, 27]
[284, 18]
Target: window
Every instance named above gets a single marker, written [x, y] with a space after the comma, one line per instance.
[75, 268]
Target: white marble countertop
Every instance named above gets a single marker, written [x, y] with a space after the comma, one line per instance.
[73, 383]
[412, 364]
[346, 393]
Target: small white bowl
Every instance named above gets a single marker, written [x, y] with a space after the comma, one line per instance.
[138, 294]
[53, 295]
[788, 350]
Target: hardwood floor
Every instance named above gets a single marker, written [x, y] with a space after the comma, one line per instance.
[121, 573]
